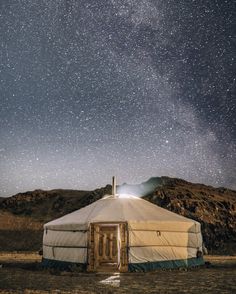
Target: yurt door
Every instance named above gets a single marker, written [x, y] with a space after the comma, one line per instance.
[107, 246]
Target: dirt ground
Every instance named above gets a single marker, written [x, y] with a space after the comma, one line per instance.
[20, 273]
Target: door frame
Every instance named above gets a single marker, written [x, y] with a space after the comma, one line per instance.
[92, 257]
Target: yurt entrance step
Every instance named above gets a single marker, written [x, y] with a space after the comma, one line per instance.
[108, 246]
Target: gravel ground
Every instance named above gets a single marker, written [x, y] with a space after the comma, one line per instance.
[219, 277]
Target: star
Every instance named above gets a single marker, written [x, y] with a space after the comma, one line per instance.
[128, 88]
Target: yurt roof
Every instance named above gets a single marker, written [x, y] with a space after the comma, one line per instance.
[136, 211]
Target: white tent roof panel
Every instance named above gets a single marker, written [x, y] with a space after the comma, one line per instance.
[138, 213]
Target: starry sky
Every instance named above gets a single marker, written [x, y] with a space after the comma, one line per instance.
[132, 88]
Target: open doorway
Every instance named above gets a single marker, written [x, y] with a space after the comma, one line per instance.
[108, 247]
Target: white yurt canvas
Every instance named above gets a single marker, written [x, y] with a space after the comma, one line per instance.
[123, 232]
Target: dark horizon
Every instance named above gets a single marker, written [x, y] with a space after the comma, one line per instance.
[118, 185]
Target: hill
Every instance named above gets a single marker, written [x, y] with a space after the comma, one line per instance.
[22, 216]
[214, 208]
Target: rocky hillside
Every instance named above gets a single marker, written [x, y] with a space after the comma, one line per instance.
[214, 208]
[22, 216]
[46, 205]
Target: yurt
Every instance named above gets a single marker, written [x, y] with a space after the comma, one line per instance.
[122, 233]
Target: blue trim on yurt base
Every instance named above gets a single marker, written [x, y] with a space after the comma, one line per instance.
[132, 267]
[168, 264]
[63, 265]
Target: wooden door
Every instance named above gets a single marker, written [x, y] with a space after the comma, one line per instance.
[108, 247]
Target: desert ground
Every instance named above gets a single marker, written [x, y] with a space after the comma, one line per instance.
[21, 273]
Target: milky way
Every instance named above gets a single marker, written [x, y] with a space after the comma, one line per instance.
[135, 89]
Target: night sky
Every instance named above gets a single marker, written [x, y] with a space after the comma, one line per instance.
[91, 89]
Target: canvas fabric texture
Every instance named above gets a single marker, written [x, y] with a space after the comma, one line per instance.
[75, 255]
[136, 211]
[154, 234]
